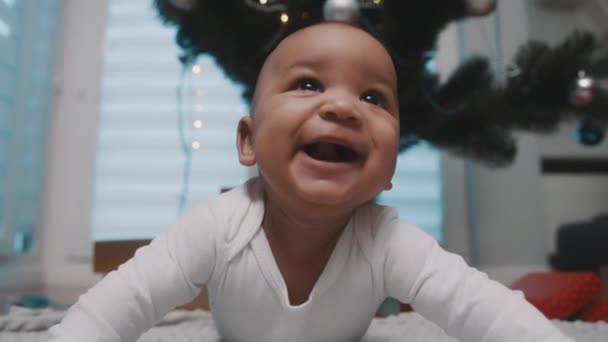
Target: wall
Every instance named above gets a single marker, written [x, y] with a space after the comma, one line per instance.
[517, 210]
[20, 272]
[506, 230]
[569, 198]
[456, 232]
[66, 257]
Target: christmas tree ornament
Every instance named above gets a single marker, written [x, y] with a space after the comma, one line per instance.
[184, 5]
[583, 91]
[590, 133]
[480, 8]
[513, 71]
[341, 10]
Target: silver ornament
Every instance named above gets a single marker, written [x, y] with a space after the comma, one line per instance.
[513, 71]
[341, 10]
[583, 92]
[185, 5]
[480, 8]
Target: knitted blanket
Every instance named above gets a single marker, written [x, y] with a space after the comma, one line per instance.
[23, 325]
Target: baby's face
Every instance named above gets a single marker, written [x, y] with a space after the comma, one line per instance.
[325, 122]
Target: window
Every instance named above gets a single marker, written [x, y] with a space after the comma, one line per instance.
[416, 192]
[144, 130]
[27, 49]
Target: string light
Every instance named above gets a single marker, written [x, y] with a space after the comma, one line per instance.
[265, 6]
[196, 69]
[196, 145]
[370, 4]
[584, 81]
[197, 123]
[183, 197]
[271, 7]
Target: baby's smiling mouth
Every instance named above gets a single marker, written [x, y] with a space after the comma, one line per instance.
[331, 152]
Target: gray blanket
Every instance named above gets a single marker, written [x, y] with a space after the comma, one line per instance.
[22, 325]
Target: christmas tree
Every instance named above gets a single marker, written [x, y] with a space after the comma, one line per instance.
[469, 114]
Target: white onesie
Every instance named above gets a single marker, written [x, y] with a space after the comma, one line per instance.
[221, 244]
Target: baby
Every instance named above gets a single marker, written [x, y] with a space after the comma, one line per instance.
[302, 253]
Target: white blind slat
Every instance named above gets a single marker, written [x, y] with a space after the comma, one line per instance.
[140, 162]
[8, 57]
[7, 83]
[9, 20]
[416, 192]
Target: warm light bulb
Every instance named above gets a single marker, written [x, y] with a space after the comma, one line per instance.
[585, 82]
[196, 145]
[284, 18]
[197, 123]
[196, 69]
[263, 2]
[376, 2]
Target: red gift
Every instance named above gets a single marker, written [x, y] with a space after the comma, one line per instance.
[597, 309]
[559, 295]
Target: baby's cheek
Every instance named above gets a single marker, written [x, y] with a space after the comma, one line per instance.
[389, 133]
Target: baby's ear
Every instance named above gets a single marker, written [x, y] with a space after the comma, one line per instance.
[244, 141]
[388, 186]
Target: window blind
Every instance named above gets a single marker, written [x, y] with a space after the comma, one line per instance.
[27, 49]
[140, 162]
[416, 192]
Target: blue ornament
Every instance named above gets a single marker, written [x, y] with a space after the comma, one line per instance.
[182, 40]
[590, 133]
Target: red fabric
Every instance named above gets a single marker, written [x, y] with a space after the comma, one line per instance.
[559, 295]
[597, 309]
[405, 308]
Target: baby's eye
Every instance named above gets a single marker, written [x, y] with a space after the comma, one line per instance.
[372, 97]
[308, 84]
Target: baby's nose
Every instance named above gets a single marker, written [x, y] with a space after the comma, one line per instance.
[340, 108]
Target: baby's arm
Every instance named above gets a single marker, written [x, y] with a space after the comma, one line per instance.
[167, 273]
[443, 288]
